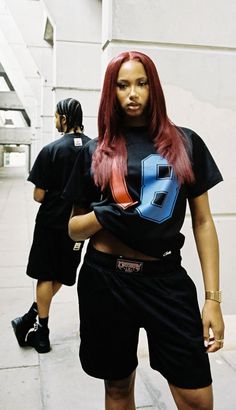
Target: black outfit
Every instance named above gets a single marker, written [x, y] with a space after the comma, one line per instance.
[117, 295]
[53, 255]
[152, 224]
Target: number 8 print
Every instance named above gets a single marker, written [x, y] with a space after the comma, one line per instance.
[159, 189]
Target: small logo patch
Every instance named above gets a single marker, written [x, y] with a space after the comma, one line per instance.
[78, 142]
[167, 253]
[77, 246]
[129, 266]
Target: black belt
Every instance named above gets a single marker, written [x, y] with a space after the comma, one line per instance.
[129, 265]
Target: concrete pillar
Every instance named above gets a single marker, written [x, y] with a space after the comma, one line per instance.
[1, 156]
[77, 54]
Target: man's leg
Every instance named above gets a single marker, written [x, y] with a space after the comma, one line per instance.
[193, 399]
[44, 293]
[56, 286]
[39, 338]
[119, 394]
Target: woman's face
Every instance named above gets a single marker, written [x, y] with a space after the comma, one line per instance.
[132, 91]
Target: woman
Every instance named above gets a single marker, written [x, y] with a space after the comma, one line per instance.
[54, 257]
[130, 187]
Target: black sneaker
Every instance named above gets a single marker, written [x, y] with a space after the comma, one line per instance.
[21, 326]
[39, 339]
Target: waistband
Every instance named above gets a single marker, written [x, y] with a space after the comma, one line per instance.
[119, 263]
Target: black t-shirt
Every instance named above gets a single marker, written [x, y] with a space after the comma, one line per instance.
[147, 210]
[51, 171]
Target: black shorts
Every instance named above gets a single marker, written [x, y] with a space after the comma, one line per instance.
[117, 297]
[53, 256]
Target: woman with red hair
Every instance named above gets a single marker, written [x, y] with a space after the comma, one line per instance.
[130, 187]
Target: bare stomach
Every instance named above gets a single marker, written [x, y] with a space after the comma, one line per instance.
[105, 242]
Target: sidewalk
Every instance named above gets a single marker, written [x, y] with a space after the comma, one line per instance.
[55, 380]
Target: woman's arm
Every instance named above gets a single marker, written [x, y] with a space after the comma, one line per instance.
[83, 224]
[208, 250]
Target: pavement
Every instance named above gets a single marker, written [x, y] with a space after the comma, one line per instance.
[55, 380]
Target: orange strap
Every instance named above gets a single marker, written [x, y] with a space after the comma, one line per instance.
[119, 188]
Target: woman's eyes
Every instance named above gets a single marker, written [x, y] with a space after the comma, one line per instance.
[124, 86]
[142, 83]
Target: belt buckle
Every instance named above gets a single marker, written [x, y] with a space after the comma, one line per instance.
[129, 266]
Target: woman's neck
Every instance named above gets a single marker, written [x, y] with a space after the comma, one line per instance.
[135, 122]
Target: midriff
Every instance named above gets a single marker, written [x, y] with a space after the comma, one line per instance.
[105, 242]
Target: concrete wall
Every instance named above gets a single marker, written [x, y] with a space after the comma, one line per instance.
[77, 54]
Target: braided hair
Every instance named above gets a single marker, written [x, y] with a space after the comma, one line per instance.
[72, 110]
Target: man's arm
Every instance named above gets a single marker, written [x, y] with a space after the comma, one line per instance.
[39, 194]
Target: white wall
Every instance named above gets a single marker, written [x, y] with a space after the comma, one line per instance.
[77, 54]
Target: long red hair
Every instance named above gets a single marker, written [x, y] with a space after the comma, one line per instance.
[167, 138]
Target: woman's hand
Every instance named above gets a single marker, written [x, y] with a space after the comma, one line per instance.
[208, 250]
[83, 226]
[213, 326]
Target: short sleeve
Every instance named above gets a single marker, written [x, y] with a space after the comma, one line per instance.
[80, 189]
[40, 173]
[206, 172]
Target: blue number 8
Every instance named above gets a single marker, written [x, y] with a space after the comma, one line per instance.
[159, 189]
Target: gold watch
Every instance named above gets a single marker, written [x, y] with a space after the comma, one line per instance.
[214, 295]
